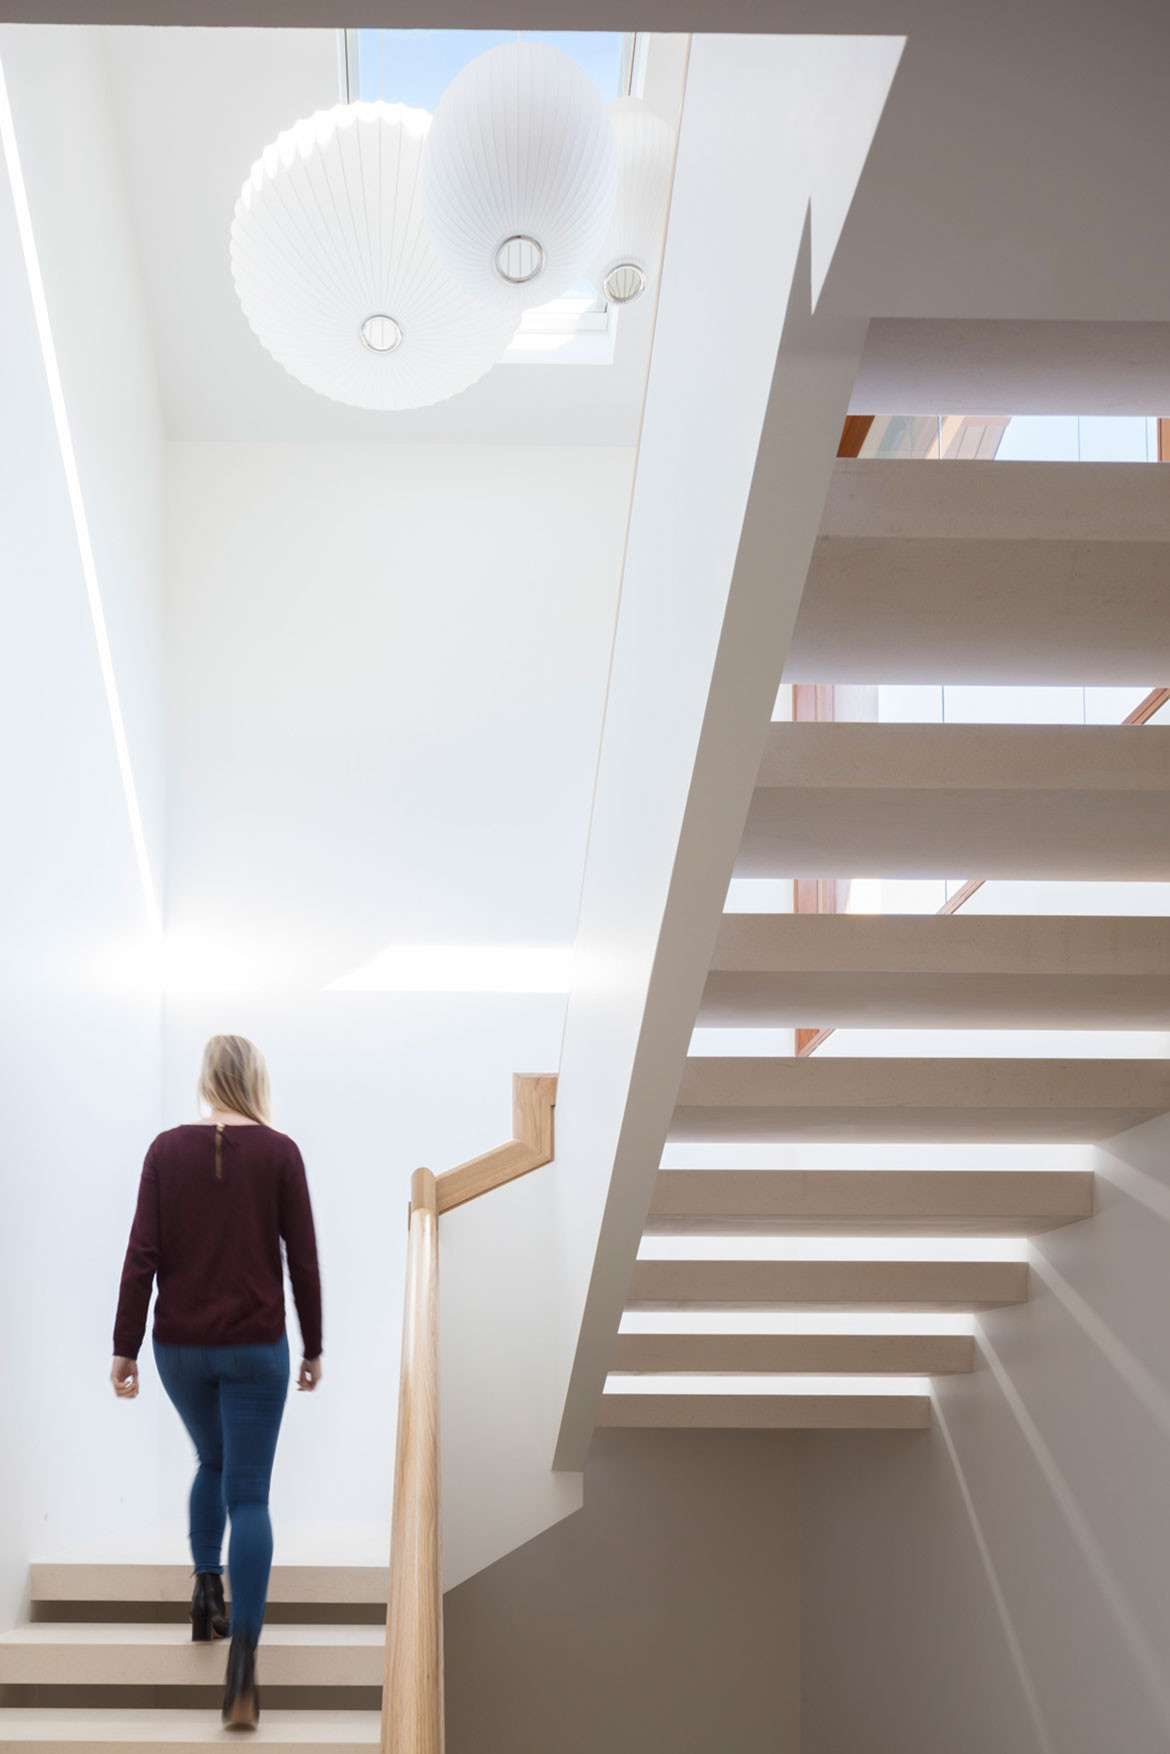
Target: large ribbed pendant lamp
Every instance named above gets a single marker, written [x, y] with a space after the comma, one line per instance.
[336, 272]
[519, 175]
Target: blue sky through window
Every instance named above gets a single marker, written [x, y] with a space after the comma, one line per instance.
[1079, 438]
[415, 67]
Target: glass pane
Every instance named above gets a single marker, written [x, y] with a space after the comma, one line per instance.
[598, 51]
[1112, 438]
[1015, 438]
[415, 67]
[1040, 438]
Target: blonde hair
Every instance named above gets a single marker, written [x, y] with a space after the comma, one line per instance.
[234, 1077]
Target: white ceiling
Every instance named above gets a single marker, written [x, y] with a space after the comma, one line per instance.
[949, 233]
[195, 108]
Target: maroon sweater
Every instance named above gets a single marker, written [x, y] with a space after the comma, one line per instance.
[209, 1223]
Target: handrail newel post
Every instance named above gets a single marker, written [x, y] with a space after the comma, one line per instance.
[412, 1692]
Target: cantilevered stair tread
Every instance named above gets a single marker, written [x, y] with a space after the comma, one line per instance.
[836, 1285]
[793, 1354]
[56, 1731]
[1025, 573]
[52, 1581]
[875, 1202]
[1083, 801]
[766, 1412]
[982, 970]
[147, 1654]
[899, 1099]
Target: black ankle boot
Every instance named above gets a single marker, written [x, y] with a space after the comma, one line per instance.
[208, 1615]
[241, 1698]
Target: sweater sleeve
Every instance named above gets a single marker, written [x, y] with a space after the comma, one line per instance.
[139, 1267]
[300, 1242]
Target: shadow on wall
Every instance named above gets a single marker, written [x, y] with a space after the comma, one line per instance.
[1003, 1582]
[662, 1617]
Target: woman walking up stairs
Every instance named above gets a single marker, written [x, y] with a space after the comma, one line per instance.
[216, 1198]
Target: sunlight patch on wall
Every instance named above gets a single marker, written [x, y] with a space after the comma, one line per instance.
[195, 963]
[462, 968]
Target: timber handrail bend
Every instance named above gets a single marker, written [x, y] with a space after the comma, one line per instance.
[412, 1691]
[533, 1098]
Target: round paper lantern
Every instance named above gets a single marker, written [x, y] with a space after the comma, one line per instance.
[336, 272]
[519, 175]
[627, 262]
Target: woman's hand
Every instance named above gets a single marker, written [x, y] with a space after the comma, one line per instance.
[310, 1374]
[124, 1376]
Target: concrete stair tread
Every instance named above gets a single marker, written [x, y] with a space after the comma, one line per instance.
[996, 1202]
[830, 1284]
[765, 1412]
[960, 801]
[885, 499]
[982, 969]
[780, 1098]
[1025, 572]
[793, 1354]
[107, 1581]
[971, 758]
[179, 1731]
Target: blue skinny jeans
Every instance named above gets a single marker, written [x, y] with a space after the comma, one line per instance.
[231, 1399]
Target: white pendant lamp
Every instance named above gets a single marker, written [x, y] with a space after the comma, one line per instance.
[336, 272]
[519, 175]
[627, 262]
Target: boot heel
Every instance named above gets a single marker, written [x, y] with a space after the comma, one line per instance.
[241, 1697]
[243, 1713]
[208, 1614]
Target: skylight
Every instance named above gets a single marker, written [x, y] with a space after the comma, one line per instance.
[415, 67]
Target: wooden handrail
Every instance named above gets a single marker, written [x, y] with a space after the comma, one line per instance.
[412, 1688]
[534, 1096]
[808, 1040]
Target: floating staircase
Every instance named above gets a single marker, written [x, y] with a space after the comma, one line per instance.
[871, 1202]
[951, 970]
[1024, 572]
[1083, 801]
[107, 1662]
[773, 1100]
[772, 1292]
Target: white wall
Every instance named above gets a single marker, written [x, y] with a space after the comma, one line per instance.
[386, 670]
[1003, 1580]
[79, 1001]
[386, 676]
[665, 1617]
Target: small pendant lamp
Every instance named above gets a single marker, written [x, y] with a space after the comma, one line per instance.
[336, 272]
[519, 175]
[627, 262]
